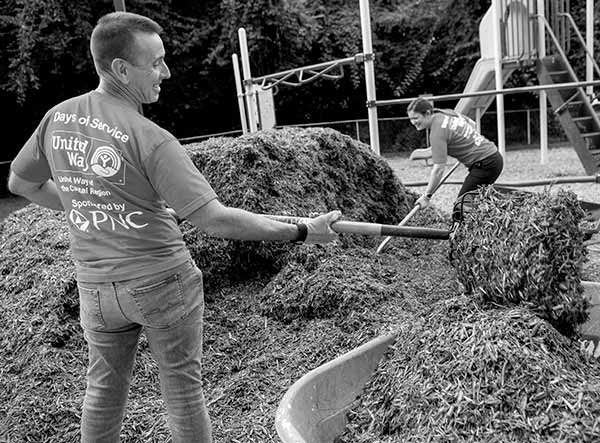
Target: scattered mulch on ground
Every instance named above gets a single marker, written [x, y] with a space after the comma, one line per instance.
[524, 248]
[463, 374]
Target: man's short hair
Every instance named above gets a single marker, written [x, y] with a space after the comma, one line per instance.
[114, 37]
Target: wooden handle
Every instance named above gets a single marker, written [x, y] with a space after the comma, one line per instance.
[375, 229]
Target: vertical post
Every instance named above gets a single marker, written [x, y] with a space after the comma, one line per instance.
[478, 118]
[357, 130]
[589, 38]
[119, 5]
[497, 13]
[365, 21]
[248, 90]
[528, 126]
[543, 95]
[240, 94]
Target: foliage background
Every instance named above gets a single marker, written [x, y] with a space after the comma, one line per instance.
[420, 46]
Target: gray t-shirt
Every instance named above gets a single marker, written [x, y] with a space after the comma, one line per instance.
[115, 172]
[456, 135]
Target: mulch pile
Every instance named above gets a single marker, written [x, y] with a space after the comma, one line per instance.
[290, 172]
[469, 375]
[524, 248]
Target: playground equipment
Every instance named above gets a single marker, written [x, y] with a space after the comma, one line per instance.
[257, 110]
[528, 33]
[523, 33]
[314, 408]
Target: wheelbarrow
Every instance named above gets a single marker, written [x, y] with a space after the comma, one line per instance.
[314, 408]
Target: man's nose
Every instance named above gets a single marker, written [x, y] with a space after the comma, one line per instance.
[166, 72]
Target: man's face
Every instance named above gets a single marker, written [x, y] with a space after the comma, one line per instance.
[148, 69]
[420, 121]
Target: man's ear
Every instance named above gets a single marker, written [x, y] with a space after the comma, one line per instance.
[120, 69]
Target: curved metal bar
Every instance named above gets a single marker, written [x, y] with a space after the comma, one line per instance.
[587, 52]
[264, 85]
[285, 74]
[571, 72]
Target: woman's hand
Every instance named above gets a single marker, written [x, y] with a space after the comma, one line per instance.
[423, 201]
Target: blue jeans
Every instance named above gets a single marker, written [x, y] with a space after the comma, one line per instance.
[169, 305]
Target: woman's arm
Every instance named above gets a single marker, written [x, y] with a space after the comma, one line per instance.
[435, 177]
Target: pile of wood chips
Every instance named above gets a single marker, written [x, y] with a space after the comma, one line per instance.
[524, 249]
[290, 171]
[469, 375]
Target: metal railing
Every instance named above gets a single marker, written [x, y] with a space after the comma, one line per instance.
[518, 90]
[522, 128]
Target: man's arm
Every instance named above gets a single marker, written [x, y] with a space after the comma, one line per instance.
[222, 221]
[44, 194]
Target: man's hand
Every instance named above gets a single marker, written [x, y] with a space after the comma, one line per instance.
[319, 228]
[423, 201]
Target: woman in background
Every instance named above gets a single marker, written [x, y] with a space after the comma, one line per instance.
[453, 134]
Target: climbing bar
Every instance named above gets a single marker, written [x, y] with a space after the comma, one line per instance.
[400, 101]
[316, 71]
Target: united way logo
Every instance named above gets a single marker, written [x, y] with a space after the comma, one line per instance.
[105, 161]
[79, 220]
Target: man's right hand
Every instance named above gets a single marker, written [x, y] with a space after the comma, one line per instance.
[319, 228]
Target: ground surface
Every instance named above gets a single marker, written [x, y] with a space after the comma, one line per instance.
[251, 360]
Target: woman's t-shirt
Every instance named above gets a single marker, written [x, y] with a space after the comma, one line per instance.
[456, 135]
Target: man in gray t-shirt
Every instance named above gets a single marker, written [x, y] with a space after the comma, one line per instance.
[117, 175]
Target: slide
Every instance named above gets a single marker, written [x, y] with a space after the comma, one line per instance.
[482, 78]
[517, 45]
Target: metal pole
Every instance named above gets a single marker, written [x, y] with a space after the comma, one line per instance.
[249, 93]
[543, 96]
[478, 118]
[240, 94]
[357, 131]
[365, 21]
[497, 13]
[589, 38]
[119, 5]
[517, 90]
[528, 127]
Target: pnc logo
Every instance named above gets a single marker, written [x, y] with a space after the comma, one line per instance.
[79, 220]
[105, 161]
[106, 221]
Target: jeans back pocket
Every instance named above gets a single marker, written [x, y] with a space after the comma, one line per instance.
[90, 312]
[161, 303]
